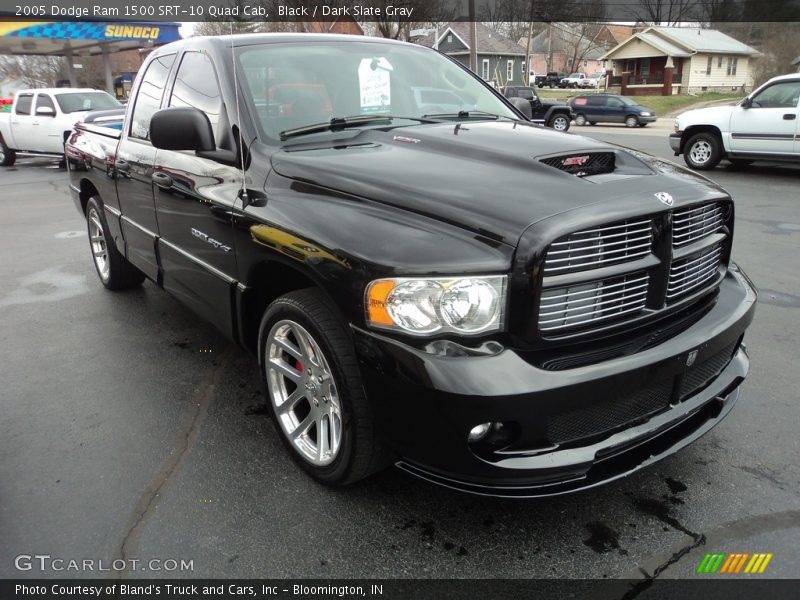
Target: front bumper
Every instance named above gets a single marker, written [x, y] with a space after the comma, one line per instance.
[675, 143]
[648, 119]
[425, 405]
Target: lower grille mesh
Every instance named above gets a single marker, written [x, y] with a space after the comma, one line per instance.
[697, 376]
[602, 418]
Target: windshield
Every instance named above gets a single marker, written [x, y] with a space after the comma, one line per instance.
[575, 76]
[296, 85]
[80, 101]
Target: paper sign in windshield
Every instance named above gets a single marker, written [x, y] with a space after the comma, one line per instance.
[375, 84]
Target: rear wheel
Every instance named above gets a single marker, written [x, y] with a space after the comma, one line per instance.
[7, 155]
[631, 121]
[314, 389]
[113, 269]
[559, 123]
[580, 120]
[703, 151]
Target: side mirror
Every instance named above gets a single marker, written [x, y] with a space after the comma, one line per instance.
[45, 111]
[747, 103]
[522, 106]
[182, 128]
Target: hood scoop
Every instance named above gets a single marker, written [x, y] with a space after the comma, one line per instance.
[583, 164]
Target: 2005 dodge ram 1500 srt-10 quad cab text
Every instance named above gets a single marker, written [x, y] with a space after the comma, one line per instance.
[485, 303]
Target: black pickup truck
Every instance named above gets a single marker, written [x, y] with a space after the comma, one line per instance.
[485, 303]
[557, 115]
[552, 79]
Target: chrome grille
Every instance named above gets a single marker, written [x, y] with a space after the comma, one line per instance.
[593, 248]
[592, 302]
[691, 224]
[689, 273]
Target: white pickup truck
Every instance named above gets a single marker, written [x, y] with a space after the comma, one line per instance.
[763, 126]
[41, 119]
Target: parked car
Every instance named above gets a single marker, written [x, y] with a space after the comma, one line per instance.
[573, 80]
[764, 125]
[441, 294]
[594, 81]
[552, 79]
[40, 120]
[557, 115]
[610, 108]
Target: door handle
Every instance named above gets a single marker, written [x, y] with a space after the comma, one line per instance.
[162, 180]
[789, 117]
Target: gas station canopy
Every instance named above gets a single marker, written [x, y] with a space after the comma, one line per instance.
[83, 37]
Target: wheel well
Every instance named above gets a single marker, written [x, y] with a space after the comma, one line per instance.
[268, 281]
[87, 190]
[695, 129]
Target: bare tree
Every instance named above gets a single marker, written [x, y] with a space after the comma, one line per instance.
[666, 12]
[33, 71]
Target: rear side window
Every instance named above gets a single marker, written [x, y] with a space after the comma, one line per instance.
[196, 86]
[148, 99]
[596, 101]
[24, 102]
[44, 101]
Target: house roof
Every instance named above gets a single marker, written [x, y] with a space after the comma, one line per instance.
[564, 39]
[685, 41]
[620, 33]
[489, 41]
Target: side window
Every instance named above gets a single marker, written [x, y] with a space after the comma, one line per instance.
[526, 93]
[614, 103]
[596, 101]
[24, 102]
[780, 95]
[148, 99]
[196, 85]
[44, 101]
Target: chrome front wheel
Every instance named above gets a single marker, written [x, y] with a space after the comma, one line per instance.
[303, 392]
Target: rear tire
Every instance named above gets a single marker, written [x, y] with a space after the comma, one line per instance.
[113, 269]
[7, 156]
[703, 151]
[314, 389]
[559, 123]
[580, 120]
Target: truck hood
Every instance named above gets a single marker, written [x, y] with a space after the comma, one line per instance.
[486, 177]
[709, 114]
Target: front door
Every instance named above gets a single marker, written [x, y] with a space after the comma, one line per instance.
[615, 110]
[769, 125]
[194, 200]
[45, 137]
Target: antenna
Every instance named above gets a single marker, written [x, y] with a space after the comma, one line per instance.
[243, 191]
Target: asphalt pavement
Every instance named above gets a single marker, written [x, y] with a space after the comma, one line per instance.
[131, 429]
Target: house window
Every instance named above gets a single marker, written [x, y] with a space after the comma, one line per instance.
[509, 70]
[732, 63]
[708, 66]
[719, 62]
[450, 38]
[485, 68]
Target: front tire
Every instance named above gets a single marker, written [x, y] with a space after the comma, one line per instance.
[113, 269]
[559, 123]
[314, 389]
[631, 121]
[703, 151]
[7, 156]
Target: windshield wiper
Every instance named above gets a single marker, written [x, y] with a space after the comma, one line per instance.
[466, 114]
[340, 123]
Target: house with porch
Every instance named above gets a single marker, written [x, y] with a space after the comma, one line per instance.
[680, 60]
[500, 59]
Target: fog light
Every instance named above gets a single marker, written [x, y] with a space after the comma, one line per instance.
[478, 432]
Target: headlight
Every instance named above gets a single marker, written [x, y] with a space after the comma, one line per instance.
[676, 128]
[424, 306]
[645, 114]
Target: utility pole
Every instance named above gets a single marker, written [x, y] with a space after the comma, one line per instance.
[528, 47]
[473, 38]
